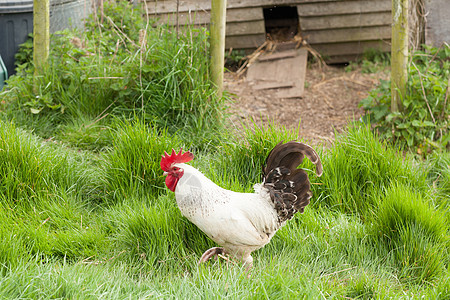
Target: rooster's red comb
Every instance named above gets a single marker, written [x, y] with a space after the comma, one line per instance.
[167, 160]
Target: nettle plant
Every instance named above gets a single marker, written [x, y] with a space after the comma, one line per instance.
[423, 122]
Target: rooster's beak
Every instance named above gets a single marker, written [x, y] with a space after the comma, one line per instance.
[165, 173]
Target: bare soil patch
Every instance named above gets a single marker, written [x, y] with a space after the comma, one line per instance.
[330, 101]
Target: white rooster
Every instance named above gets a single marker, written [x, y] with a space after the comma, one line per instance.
[242, 222]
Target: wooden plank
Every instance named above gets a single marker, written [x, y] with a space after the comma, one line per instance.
[244, 41]
[184, 18]
[347, 34]
[346, 21]
[279, 55]
[170, 6]
[343, 7]
[165, 6]
[437, 30]
[245, 28]
[351, 48]
[202, 17]
[281, 73]
[267, 85]
[245, 13]
[237, 29]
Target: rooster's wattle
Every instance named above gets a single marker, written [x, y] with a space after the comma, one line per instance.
[242, 222]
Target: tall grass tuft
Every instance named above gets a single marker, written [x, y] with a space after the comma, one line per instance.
[12, 247]
[133, 164]
[30, 167]
[360, 167]
[104, 73]
[175, 86]
[415, 232]
[241, 160]
[157, 235]
[439, 178]
[363, 287]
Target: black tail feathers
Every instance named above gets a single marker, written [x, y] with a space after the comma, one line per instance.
[289, 187]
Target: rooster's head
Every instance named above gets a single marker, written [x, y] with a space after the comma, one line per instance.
[170, 168]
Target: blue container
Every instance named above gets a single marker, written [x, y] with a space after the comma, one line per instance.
[16, 22]
[3, 73]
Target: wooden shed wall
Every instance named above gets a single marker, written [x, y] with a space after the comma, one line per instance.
[339, 29]
[343, 30]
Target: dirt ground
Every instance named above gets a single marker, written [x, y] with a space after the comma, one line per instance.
[331, 99]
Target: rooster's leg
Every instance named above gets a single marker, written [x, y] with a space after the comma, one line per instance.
[213, 252]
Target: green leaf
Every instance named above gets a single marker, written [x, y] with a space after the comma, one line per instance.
[416, 123]
[35, 111]
[55, 106]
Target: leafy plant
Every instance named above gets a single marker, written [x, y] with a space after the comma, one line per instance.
[119, 68]
[372, 61]
[234, 58]
[24, 58]
[423, 123]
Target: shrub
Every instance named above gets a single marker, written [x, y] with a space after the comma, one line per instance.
[423, 122]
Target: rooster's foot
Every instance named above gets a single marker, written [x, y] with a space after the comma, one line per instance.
[213, 252]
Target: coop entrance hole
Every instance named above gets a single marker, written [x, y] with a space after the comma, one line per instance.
[281, 22]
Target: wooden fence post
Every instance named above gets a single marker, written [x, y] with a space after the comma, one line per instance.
[399, 53]
[217, 42]
[41, 31]
[41, 36]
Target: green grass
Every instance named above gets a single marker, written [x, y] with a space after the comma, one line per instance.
[85, 213]
[360, 167]
[133, 164]
[416, 232]
[108, 75]
[77, 239]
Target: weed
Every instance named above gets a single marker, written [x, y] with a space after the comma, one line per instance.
[372, 61]
[423, 122]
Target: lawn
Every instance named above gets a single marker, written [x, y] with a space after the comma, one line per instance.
[86, 215]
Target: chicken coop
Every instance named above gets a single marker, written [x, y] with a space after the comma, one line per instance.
[340, 30]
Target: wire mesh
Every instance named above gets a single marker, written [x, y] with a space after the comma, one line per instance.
[69, 13]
